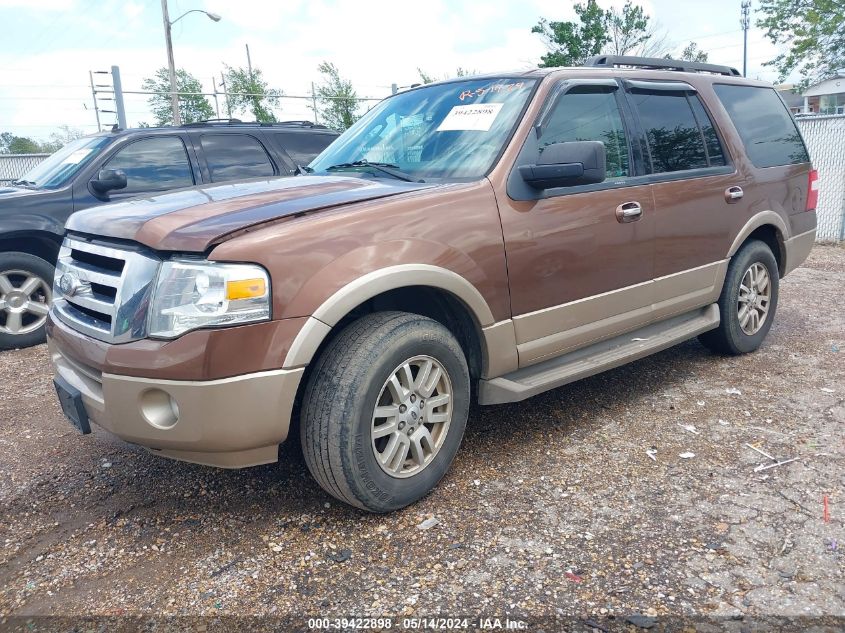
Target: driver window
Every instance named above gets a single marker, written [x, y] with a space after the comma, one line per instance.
[153, 164]
[590, 113]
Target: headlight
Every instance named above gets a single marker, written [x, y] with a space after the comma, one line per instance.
[195, 294]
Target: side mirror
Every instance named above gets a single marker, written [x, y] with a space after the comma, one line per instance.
[109, 180]
[567, 164]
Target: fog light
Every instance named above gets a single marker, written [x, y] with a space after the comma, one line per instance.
[159, 409]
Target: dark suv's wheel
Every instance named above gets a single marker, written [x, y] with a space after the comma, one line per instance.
[26, 283]
[748, 301]
[385, 409]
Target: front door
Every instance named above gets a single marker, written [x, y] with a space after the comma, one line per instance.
[580, 259]
[152, 165]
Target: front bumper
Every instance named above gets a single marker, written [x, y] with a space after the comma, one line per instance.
[229, 422]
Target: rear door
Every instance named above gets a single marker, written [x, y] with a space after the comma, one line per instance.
[226, 156]
[697, 193]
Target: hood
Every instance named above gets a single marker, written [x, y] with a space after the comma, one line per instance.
[194, 219]
[8, 192]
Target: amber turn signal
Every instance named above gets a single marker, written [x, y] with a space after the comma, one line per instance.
[245, 289]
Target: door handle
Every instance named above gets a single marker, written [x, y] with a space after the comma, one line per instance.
[629, 212]
[733, 194]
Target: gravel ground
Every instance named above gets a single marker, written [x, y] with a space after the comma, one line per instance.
[553, 507]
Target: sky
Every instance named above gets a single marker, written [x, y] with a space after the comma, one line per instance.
[49, 46]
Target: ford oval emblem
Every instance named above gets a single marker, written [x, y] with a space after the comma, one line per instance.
[69, 284]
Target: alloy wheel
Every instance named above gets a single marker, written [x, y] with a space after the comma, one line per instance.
[24, 302]
[412, 416]
[755, 295]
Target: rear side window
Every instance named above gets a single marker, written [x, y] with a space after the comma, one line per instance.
[679, 132]
[234, 156]
[303, 147]
[589, 113]
[767, 130]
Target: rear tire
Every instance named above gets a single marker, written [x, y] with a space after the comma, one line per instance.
[385, 410]
[26, 291]
[748, 301]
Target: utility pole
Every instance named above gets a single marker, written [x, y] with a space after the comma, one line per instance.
[216, 103]
[174, 98]
[745, 22]
[118, 97]
[226, 95]
[314, 102]
[248, 63]
[94, 95]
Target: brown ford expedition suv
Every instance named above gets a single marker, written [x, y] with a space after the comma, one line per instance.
[481, 239]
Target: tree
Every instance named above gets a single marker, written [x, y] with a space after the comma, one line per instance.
[5, 139]
[251, 92]
[192, 107]
[459, 72]
[691, 53]
[813, 32]
[571, 43]
[59, 139]
[627, 29]
[11, 144]
[616, 32]
[338, 100]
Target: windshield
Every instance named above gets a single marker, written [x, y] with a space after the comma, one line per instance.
[55, 170]
[451, 130]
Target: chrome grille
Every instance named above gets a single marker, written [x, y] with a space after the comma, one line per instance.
[103, 291]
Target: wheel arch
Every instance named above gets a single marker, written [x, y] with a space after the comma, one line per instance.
[423, 289]
[768, 227]
[39, 243]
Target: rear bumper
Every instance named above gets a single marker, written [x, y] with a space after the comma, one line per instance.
[229, 422]
[797, 249]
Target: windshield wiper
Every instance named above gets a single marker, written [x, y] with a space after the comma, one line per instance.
[385, 168]
[302, 170]
[25, 183]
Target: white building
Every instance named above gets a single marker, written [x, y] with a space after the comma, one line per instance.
[826, 97]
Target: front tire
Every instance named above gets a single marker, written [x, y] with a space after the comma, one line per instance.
[748, 301]
[26, 290]
[385, 410]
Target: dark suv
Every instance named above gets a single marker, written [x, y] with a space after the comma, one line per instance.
[114, 166]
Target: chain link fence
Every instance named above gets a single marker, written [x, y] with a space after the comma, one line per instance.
[13, 166]
[825, 138]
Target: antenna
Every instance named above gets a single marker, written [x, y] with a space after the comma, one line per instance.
[745, 22]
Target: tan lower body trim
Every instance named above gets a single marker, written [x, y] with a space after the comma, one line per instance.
[499, 349]
[560, 329]
[798, 249]
[231, 422]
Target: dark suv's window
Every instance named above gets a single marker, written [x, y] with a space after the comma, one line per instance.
[234, 156]
[590, 113]
[153, 164]
[764, 125]
[680, 135]
[303, 147]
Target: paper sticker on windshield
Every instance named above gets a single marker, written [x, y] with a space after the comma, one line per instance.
[76, 157]
[478, 116]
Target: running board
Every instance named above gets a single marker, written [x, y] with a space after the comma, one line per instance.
[530, 381]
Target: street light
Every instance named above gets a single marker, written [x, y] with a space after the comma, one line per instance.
[174, 98]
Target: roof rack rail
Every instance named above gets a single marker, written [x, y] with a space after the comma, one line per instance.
[657, 63]
[261, 123]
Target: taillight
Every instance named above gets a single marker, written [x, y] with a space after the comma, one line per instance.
[813, 190]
